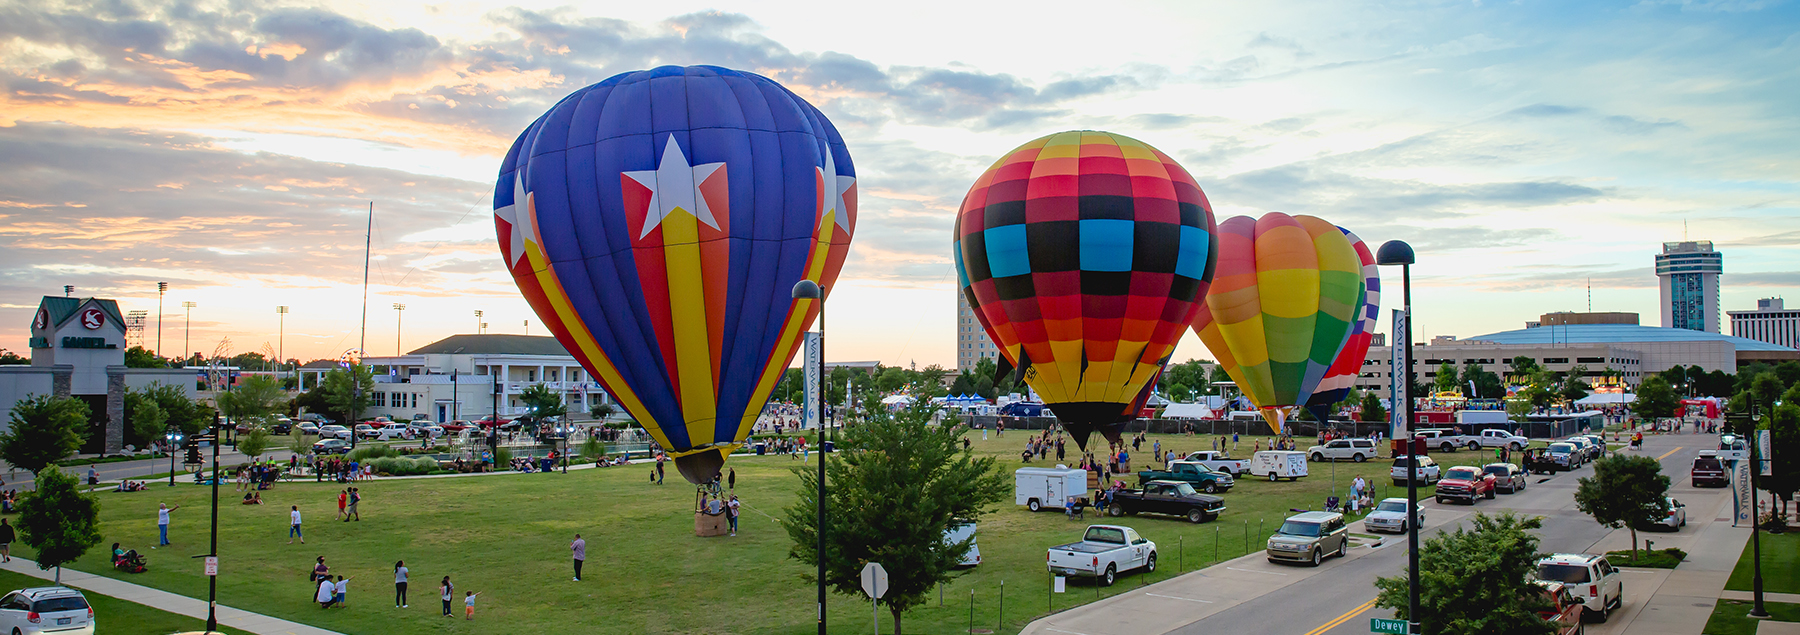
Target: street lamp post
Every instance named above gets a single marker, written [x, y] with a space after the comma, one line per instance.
[281, 340]
[478, 322]
[399, 310]
[1756, 582]
[185, 353]
[1396, 252]
[212, 581]
[809, 290]
[173, 436]
[161, 288]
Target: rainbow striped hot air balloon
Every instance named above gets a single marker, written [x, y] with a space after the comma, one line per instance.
[1341, 377]
[1085, 255]
[1281, 307]
[657, 222]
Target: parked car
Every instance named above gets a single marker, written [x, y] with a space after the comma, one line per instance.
[308, 427]
[1564, 614]
[1498, 438]
[1427, 473]
[1566, 456]
[1195, 474]
[316, 418]
[958, 532]
[1590, 578]
[456, 426]
[1279, 464]
[1103, 553]
[1445, 440]
[56, 609]
[334, 432]
[1677, 516]
[393, 431]
[1022, 409]
[1390, 516]
[503, 423]
[1508, 478]
[1307, 537]
[1538, 461]
[281, 425]
[366, 431]
[1218, 462]
[1166, 497]
[331, 446]
[1466, 484]
[1357, 450]
[1589, 450]
[1708, 470]
[424, 427]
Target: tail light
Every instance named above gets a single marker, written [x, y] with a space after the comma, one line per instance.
[1593, 590]
[1096, 561]
[1046, 556]
[90, 613]
[33, 617]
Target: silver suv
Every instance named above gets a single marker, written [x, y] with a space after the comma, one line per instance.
[1308, 537]
[1357, 450]
[59, 610]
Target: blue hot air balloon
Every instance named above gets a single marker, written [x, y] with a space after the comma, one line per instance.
[657, 221]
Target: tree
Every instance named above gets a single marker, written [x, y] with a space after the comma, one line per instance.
[1487, 385]
[1191, 373]
[347, 390]
[9, 358]
[1788, 372]
[601, 410]
[44, 430]
[1446, 378]
[1573, 387]
[544, 402]
[897, 484]
[144, 417]
[140, 357]
[1521, 367]
[1371, 408]
[1625, 491]
[1492, 562]
[1518, 410]
[1656, 398]
[1784, 438]
[255, 398]
[254, 442]
[189, 415]
[58, 521]
[1767, 389]
[1181, 393]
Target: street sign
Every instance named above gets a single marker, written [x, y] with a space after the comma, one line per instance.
[874, 580]
[1059, 584]
[1379, 625]
[212, 565]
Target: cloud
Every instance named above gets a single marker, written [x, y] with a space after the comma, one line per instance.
[1782, 239]
[1301, 188]
[1621, 124]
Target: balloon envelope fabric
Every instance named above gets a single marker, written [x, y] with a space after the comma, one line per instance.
[1341, 377]
[1085, 255]
[1280, 307]
[657, 222]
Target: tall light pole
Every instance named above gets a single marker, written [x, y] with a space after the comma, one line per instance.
[173, 436]
[281, 340]
[809, 290]
[212, 581]
[399, 310]
[161, 289]
[1395, 252]
[478, 323]
[1756, 584]
[185, 353]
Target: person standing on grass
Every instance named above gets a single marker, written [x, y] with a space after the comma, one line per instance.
[294, 527]
[659, 467]
[343, 585]
[731, 513]
[162, 523]
[731, 480]
[355, 497]
[7, 535]
[469, 604]
[579, 547]
[400, 584]
[445, 591]
[343, 499]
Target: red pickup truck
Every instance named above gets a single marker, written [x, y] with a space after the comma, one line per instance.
[1465, 483]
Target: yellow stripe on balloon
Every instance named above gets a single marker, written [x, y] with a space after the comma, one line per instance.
[1289, 293]
[584, 339]
[790, 330]
[687, 319]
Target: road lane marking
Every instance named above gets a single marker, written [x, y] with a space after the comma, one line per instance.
[1254, 571]
[1666, 454]
[1158, 595]
[1343, 618]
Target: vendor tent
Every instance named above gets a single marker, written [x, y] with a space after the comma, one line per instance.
[1606, 399]
[1187, 411]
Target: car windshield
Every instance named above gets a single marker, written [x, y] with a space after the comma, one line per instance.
[1496, 470]
[1570, 573]
[1182, 489]
[1465, 473]
[1299, 528]
[1391, 506]
[52, 605]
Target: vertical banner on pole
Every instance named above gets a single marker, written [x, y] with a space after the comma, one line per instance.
[1765, 453]
[1743, 501]
[814, 366]
[1399, 337]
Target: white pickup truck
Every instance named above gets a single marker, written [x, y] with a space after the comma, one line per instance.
[1448, 440]
[1217, 462]
[1104, 552]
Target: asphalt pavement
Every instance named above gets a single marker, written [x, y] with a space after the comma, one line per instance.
[1252, 595]
[120, 470]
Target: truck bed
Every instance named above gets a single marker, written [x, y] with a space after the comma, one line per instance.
[1086, 547]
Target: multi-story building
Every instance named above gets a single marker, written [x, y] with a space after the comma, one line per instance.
[1690, 285]
[1771, 322]
[78, 350]
[463, 376]
[972, 343]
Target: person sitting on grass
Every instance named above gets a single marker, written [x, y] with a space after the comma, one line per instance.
[253, 498]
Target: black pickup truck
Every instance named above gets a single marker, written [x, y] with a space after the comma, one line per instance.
[1166, 497]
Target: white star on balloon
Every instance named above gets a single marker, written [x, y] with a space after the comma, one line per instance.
[518, 217]
[671, 187]
[840, 185]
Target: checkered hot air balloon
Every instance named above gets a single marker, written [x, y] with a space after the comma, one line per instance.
[1281, 307]
[1085, 255]
[657, 222]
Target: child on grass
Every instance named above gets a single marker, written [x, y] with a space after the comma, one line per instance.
[469, 604]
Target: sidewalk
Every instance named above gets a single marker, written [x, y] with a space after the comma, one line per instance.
[1679, 600]
[163, 600]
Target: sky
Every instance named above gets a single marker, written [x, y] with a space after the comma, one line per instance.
[1533, 152]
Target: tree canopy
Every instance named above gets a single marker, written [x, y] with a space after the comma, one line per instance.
[1475, 581]
[1625, 491]
[544, 402]
[185, 413]
[254, 399]
[58, 521]
[1656, 398]
[348, 392]
[1445, 381]
[44, 430]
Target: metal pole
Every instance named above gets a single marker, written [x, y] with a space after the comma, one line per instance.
[212, 581]
[823, 379]
[971, 610]
[161, 289]
[1412, 460]
[875, 611]
[1756, 581]
[1003, 605]
[362, 342]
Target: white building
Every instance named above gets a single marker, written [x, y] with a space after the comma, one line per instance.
[463, 376]
[972, 343]
[1770, 322]
[1690, 285]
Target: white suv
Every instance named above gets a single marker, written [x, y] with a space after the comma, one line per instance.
[1357, 450]
[1428, 470]
[1590, 578]
[56, 609]
[393, 431]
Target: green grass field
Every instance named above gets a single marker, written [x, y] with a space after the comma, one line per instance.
[1731, 617]
[1780, 565]
[506, 536]
[120, 617]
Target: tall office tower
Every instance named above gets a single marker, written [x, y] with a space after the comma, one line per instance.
[1690, 285]
[972, 342]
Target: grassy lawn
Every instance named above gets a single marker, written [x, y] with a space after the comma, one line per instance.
[119, 617]
[1731, 617]
[1659, 559]
[1780, 565]
[506, 536]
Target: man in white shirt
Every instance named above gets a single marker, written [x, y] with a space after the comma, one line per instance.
[162, 523]
[294, 530]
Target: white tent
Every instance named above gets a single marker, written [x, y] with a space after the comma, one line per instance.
[897, 399]
[1187, 411]
[1606, 399]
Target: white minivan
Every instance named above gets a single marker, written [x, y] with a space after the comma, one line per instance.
[59, 610]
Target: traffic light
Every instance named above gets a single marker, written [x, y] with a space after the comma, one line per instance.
[193, 454]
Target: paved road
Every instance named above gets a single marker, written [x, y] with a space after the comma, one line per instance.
[1251, 595]
[135, 470]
